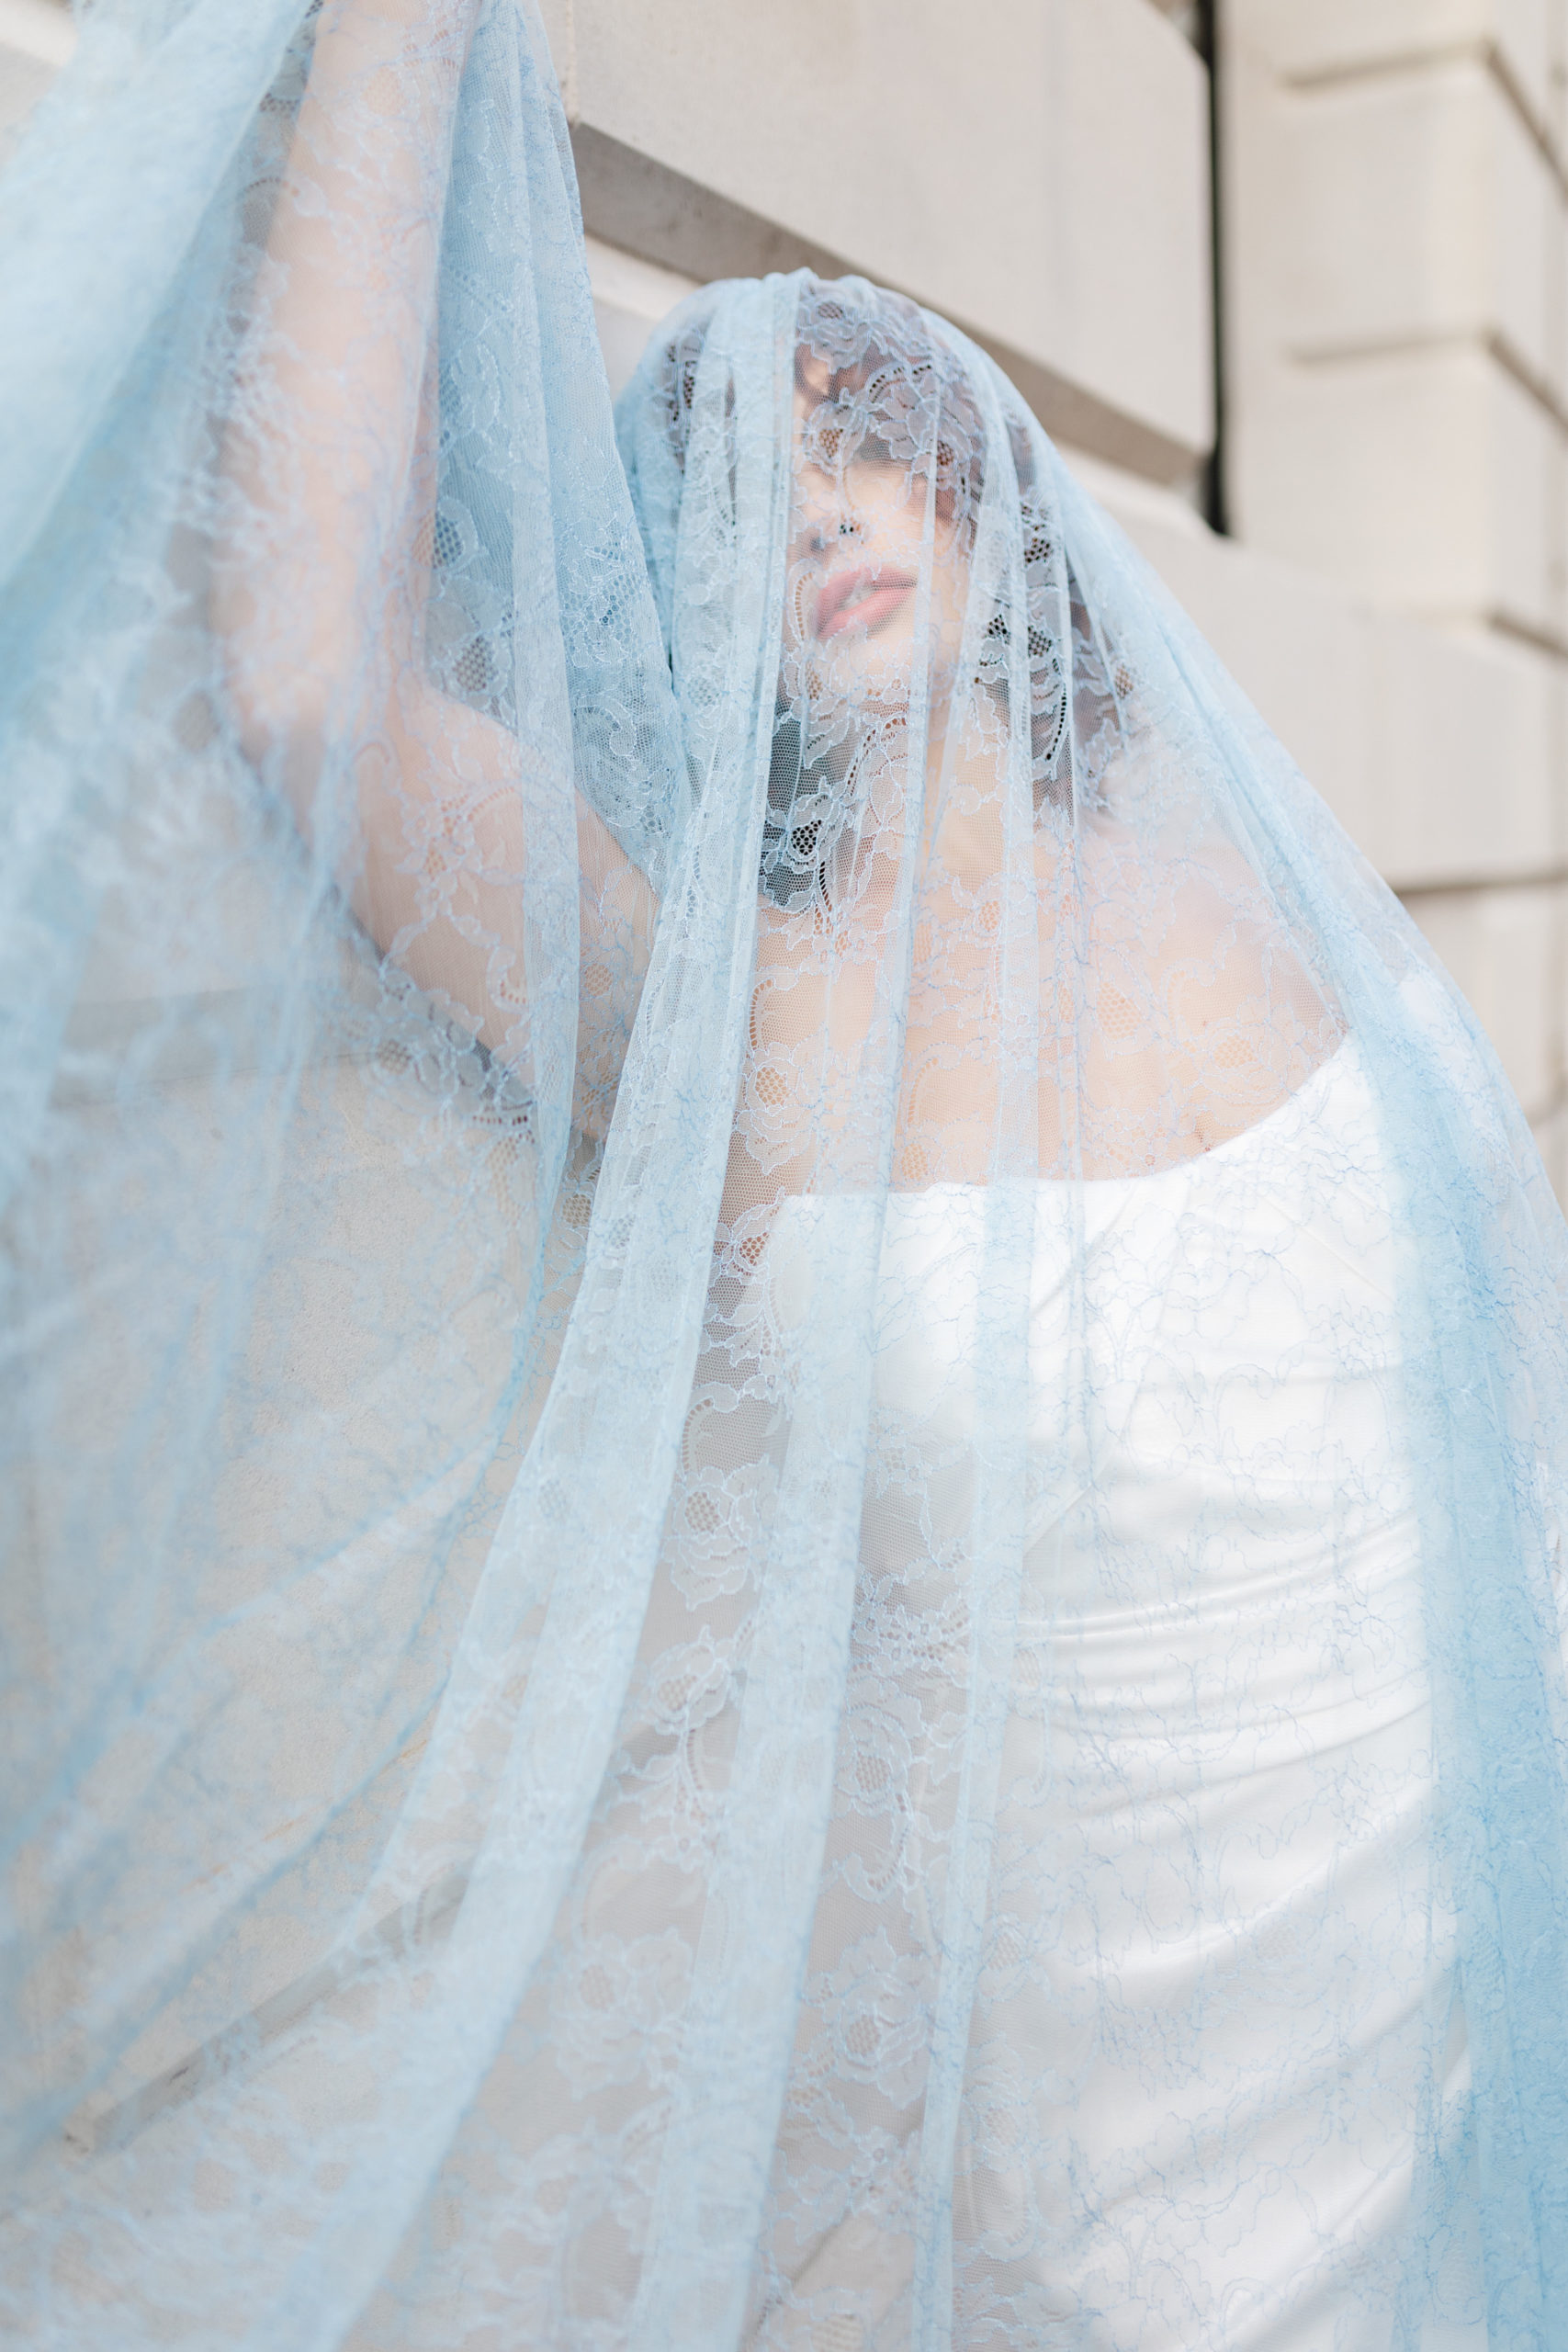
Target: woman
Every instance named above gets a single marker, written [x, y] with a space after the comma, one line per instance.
[787, 1395]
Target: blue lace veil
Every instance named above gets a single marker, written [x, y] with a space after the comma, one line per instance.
[615, 1033]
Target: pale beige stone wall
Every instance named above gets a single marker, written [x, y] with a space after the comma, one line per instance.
[1396, 224]
[1040, 176]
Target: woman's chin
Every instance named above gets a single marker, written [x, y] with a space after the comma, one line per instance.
[860, 667]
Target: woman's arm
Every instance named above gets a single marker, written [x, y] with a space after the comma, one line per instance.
[322, 574]
[328, 457]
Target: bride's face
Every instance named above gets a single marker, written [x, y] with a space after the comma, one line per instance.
[876, 586]
[866, 531]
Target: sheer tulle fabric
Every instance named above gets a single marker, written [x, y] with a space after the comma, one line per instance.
[784, 1398]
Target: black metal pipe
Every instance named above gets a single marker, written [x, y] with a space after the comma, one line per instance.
[1205, 40]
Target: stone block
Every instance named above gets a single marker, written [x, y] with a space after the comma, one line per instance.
[1464, 746]
[1041, 177]
[1337, 37]
[1430, 479]
[1438, 754]
[1505, 949]
[41, 29]
[1405, 209]
[36, 39]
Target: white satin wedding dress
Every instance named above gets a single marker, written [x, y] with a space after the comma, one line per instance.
[1217, 1964]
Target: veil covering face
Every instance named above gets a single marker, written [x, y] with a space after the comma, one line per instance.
[784, 1397]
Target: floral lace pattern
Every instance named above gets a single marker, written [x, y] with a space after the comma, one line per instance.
[785, 1400]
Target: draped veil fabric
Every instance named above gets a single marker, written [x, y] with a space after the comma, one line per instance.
[785, 1398]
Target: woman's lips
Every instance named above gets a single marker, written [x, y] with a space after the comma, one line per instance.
[861, 596]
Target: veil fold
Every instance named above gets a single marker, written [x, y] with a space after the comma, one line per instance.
[784, 1396]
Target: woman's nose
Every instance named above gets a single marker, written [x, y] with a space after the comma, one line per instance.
[830, 530]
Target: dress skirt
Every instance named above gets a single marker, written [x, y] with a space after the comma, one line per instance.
[1208, 2019]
